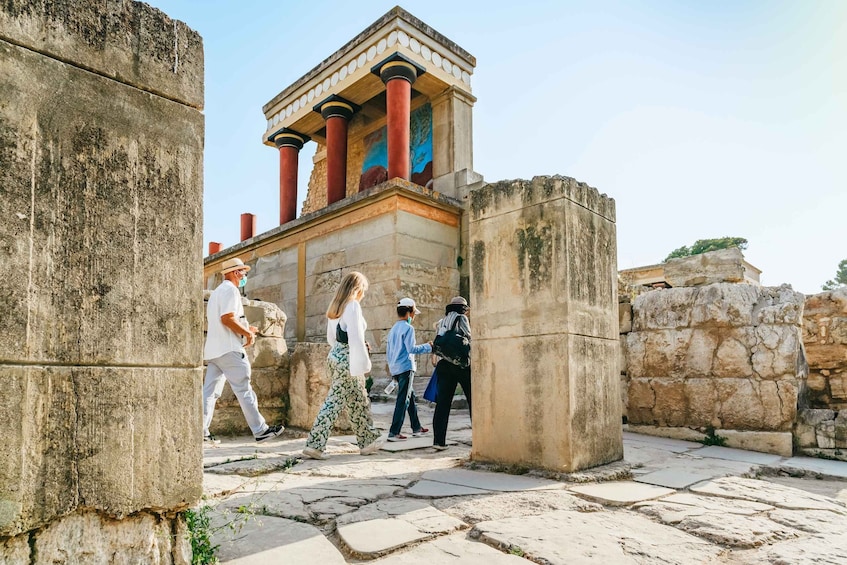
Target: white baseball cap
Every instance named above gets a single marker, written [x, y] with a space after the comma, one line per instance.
[409, 302]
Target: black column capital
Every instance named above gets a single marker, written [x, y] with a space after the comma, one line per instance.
[335, 105]
[288, 138]
[397, 66]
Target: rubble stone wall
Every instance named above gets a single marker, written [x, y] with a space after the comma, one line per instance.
[821, 427]
[723, 356]
[101, 150]
[825, 339]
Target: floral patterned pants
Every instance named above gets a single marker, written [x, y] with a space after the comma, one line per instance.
[348, 391]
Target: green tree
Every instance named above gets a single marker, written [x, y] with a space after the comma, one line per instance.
[840, 277]
[706, 245]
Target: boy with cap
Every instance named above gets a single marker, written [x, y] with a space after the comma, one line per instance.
[400, 352]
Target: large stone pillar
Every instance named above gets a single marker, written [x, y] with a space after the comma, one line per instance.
[545, 325]
[101, 164]
[337, 112]
[452, 141]
[399, 74]
[289, 143]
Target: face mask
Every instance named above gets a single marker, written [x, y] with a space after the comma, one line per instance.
[243, 282]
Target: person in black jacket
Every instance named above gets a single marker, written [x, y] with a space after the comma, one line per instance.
[450, 374]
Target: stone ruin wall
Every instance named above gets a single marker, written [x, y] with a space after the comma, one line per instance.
[101, 148]
[822, 425]
[724, 356]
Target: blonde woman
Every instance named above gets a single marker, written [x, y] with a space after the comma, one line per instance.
[347, 363]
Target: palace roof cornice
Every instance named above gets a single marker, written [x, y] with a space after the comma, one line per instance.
[396, 31]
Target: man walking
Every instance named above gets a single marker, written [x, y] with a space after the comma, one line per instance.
[225, 354]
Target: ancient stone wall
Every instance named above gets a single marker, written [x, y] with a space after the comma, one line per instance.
[821, 428]
[825, 338]
[726, 357]
[101, 146]
[545, 324]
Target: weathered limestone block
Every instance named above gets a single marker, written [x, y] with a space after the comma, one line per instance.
[546, 324]
[101, 147]
[728, 403]
[130, 42]
[725, 265]
[825, 342]
[15, 551]
[103, 180]
[139, 445]
[92, 539]
[268, 352]
[624, 317]
[724, 356]
[268, 317]
[309, 386]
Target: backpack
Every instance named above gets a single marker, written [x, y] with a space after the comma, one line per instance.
[453, 347]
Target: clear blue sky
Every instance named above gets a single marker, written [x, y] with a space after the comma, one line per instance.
[701, 119]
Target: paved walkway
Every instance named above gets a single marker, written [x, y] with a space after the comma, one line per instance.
[671, 502]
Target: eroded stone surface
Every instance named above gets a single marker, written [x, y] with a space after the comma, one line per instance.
[490, 481]
[452, 549]
[597, 537]
[473, 509]
[621, 493]
[380, 535]
[265, 540]
[718, 523]
[768, 493]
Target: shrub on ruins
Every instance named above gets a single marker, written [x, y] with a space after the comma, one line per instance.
[706, 245]
[840, 277]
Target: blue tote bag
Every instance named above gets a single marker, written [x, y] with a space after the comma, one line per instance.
[431, 391]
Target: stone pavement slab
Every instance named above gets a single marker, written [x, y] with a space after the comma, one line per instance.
[768, 493]
[733, 506]
[673, 477]
[451, 549]
[265, 540]
[220, 485]
[664, 443]
[435, 489]
[377, 536]
[719, 525]
[621, 493]
[815, 465]
[497, 506]
[731, 454]
[411, 443]
[491, 481]
[614, 538]
[832, 488]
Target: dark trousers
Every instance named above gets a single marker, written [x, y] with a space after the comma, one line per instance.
[449, 375]
[405, 401]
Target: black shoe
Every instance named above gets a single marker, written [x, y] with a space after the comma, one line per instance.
[270, 433]
[210, 440]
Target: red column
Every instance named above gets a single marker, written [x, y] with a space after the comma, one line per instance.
[214, 247]
[289, 143]
[248, 226]
[288, 163]
[337, 112]
[398, 73]
[336, 159]
[398, 92]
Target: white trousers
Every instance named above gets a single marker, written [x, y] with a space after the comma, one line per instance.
[234, 368]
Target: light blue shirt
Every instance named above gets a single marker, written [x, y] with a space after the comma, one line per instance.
[401, 347]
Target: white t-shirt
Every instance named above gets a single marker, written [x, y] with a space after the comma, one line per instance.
[220, 340]
[354, 324]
